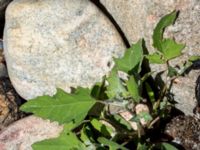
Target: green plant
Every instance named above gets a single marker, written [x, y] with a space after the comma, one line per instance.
[121, 111]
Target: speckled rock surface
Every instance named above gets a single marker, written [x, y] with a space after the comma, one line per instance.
[65, 43]
[184, 92]
[185, 131]
[137, 18]
[23, 133]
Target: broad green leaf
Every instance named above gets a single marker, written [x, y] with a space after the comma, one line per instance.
[102, 128]
[150, 93]
[66, 141]
[115, 87]
[172, 71]
[133, 89]
[156, 58]
[131, 59]
[171, 49]
[111, 144]
[62, 107]
[168, 146]
[158, 31]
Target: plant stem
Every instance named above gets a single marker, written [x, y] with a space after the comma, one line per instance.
[153, 122]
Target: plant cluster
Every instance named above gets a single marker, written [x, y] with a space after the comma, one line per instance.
[124, 110]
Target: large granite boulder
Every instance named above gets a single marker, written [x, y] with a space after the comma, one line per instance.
[138, 18]
[57, 43]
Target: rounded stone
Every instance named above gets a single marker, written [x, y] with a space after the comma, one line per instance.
[52, 44]
[23, 133]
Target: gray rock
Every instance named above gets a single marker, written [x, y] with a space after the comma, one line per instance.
[62, 43]
[23, 133]
[185, 131]
[138, 18]
[184, 92]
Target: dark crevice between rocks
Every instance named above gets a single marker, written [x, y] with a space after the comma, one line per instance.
[3, 6]
[2, 23]
[110, 17]
[10, 102]
[196, 110]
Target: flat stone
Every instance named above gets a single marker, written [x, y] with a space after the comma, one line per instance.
[65, 43]
[138, 18]
[23, 133]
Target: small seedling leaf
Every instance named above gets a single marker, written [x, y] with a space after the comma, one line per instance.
[172, 71]
[146, 116]
[156, 58]
[133, 89]
[115, 87]
[168, 146]
[150, 93]
[167, 20]
[112, 145]
[194, 58]
[131, 59]
[171, 49]
[87, 137]
[102, 128]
